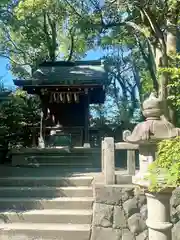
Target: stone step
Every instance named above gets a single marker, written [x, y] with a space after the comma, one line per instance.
[44, 192]
[47, 216]
[63, 151]
[81, 166]
[44, 171]
[17, 231]
[59, 158]
[25, 204]
[62, 164]
[55, 157]
[62, 159]
[46, 181]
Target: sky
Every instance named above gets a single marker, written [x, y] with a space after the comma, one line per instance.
[7, 78]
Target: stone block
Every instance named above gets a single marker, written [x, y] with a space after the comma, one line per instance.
[119, 219]
[103, 215]
[136, 224]
[106, 234]
[175, 215]
[141, 200]
[127, 193]
[127, 235]
[142, 236]
[176, 210]
[123, 179]
[176, 231]
[111, 195]
[175, 199]
[130, 207]
[144, 212]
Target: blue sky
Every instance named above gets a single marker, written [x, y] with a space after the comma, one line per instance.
[8, 78]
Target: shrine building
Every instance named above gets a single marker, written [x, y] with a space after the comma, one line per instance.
[66, 90]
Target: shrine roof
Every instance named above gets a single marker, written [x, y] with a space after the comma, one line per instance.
[67, 73]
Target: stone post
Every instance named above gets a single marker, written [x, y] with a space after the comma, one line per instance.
[102, 156]
[109, 161]
[131, 167]
[158, 220]
[147, 154]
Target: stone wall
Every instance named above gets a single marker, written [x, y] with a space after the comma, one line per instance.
[120, 213]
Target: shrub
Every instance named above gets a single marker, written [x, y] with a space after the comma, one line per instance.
[164, 172]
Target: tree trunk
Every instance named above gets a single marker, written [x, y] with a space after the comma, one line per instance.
[172, 49]
[161, 61]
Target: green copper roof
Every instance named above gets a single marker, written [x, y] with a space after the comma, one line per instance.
[67, 73]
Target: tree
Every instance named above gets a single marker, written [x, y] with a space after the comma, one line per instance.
[41, 30]
[154, 25]
[17, 124]
[156, 22]
[125, 84]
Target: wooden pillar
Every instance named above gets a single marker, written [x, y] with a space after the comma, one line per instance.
[33, 137]
[86, 125]
[41, 143]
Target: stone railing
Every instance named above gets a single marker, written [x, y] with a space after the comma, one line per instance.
[108, 148]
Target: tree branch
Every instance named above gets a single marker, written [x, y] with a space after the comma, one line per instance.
[72, 45]
[11, 60]
[155, 28]
[13, 43]
[150, 65]
[48, 38]
[52, 50]
[74, 9]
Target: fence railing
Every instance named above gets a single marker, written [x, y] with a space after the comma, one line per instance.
[108, 148]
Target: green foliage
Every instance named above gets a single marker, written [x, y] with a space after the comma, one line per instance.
[3, 2]
[174, 83]
[164, 172]
[17, 115]
[35, 31]
[173, 86]
[38, 30]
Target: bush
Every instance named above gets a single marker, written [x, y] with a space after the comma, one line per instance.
[164, 172]
[16, 115]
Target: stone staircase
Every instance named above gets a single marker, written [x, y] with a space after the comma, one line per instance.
[78, 158]
[45, 203]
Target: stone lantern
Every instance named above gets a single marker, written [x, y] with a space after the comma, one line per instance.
[147, 134]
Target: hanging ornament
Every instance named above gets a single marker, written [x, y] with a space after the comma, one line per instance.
[61, 97]
[54, 97]
[69, 97]
[76, 97]
[57, 98]
[86, 91]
